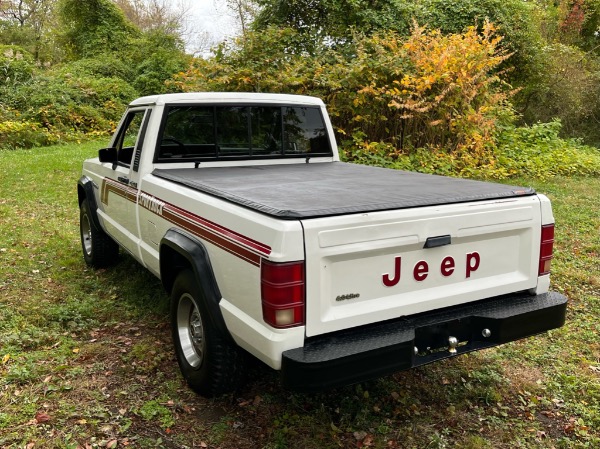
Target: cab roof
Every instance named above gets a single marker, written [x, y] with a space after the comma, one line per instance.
[227, 97]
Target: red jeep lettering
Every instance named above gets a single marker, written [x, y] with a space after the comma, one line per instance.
[473, 261]
[421, 269]
[390, 282]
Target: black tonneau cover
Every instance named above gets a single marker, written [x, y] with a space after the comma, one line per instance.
[298, 191]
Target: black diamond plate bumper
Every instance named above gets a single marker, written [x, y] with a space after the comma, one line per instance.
[371, 351]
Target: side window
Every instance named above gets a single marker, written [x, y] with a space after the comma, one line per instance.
[128, 136]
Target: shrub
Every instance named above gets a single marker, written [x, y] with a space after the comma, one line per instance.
[527, 152]
[16, 65]
[156, 56]
[569, 90]
[105, 66]
[68, 106]
[24, 134]
[537, 151]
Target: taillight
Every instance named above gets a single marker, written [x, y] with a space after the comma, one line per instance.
[282, 292]
[546, 248]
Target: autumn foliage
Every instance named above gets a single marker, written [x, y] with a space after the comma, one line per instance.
[427, 90]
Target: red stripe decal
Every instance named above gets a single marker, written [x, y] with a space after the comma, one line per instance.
[234, 243]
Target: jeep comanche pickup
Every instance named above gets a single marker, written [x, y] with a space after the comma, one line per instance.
[332, 273]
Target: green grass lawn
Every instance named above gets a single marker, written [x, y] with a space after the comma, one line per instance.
[86, 359]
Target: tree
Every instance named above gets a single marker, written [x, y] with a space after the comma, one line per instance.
[244, 12]
[93, 27]
[29, 23]
[152, 15]
[336, 20]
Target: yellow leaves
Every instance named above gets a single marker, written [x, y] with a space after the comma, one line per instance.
[5, 359]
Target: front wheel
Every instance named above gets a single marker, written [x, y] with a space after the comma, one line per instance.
[210, 364]
[99, 250]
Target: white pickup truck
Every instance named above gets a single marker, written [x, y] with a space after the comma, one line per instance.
[332, 273]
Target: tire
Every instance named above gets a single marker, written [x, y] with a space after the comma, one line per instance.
[210, 364]
[99, 250]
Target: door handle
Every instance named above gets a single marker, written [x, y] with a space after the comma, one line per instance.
[123, 179]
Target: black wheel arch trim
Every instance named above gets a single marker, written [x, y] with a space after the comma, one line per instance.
[193, 251]
[85, 192]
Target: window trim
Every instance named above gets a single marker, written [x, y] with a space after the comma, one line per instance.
[120, 135]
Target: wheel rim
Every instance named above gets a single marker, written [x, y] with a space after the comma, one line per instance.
[191, 331]
[86, 234]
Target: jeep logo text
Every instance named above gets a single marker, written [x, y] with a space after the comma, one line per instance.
[421, 269]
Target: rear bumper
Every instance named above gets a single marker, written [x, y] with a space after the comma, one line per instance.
[368, 352]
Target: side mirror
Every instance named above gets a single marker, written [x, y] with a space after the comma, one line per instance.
[108, 155]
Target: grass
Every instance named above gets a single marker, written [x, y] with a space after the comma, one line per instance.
[86, 359]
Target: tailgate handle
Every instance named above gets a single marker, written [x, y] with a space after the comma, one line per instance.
[434, 242]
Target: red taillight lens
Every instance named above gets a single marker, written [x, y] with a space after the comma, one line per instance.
[546, 248]
[282, 292]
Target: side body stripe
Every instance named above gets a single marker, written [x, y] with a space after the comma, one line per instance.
[233, 242]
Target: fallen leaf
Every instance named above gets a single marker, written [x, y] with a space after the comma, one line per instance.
[203, 444]
[76, 351]
[5, 359]
[111, 444]
[41, 417]
[360, 435]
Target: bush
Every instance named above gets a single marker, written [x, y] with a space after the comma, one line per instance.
[73, 105]
[535, 152]
[156, 56]
[24, 134]
[569, 90]
[16, 65]
[105, 66]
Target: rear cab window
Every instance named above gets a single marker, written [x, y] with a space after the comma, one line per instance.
[224, 132]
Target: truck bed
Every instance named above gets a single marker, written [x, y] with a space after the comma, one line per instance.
[311, 190]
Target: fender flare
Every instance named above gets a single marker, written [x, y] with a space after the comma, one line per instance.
[179, 250]
[85, 192]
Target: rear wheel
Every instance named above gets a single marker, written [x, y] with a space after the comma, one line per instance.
[210, 364]
[99, 250]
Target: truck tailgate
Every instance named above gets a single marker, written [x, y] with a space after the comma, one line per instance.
[371, 267]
